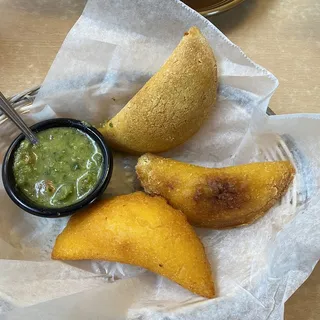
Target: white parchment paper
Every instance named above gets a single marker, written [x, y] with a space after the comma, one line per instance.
[109, 54]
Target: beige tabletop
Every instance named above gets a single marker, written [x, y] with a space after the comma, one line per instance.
[281, 35]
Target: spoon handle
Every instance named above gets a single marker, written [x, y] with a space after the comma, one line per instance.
[11, 113]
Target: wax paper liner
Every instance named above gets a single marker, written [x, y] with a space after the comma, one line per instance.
[108, 55]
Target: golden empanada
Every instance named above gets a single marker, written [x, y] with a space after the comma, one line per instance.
[141, 230]
[216, 197]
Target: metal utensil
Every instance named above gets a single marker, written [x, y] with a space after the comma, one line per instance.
[12, 114]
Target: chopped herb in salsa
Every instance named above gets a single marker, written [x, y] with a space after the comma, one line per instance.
[60, 170]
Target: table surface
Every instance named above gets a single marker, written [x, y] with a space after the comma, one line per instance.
[283, 36]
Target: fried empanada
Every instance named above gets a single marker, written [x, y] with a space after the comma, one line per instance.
[172, 105]
[216, 197]
[141, 230]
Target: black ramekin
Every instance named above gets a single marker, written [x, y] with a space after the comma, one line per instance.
[29, 206]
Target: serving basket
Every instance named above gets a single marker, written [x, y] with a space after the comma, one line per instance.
[21, 102]
[280, 149]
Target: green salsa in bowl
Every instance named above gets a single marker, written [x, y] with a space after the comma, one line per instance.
[66, 170]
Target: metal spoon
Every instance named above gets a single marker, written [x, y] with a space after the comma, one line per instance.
[12, 114]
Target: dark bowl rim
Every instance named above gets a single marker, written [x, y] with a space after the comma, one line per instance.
[26, 204]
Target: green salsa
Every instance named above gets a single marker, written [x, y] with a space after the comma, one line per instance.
[60, 170]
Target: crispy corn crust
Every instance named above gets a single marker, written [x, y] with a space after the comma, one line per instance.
[220, 197]
[172, 105]
[141, 230]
